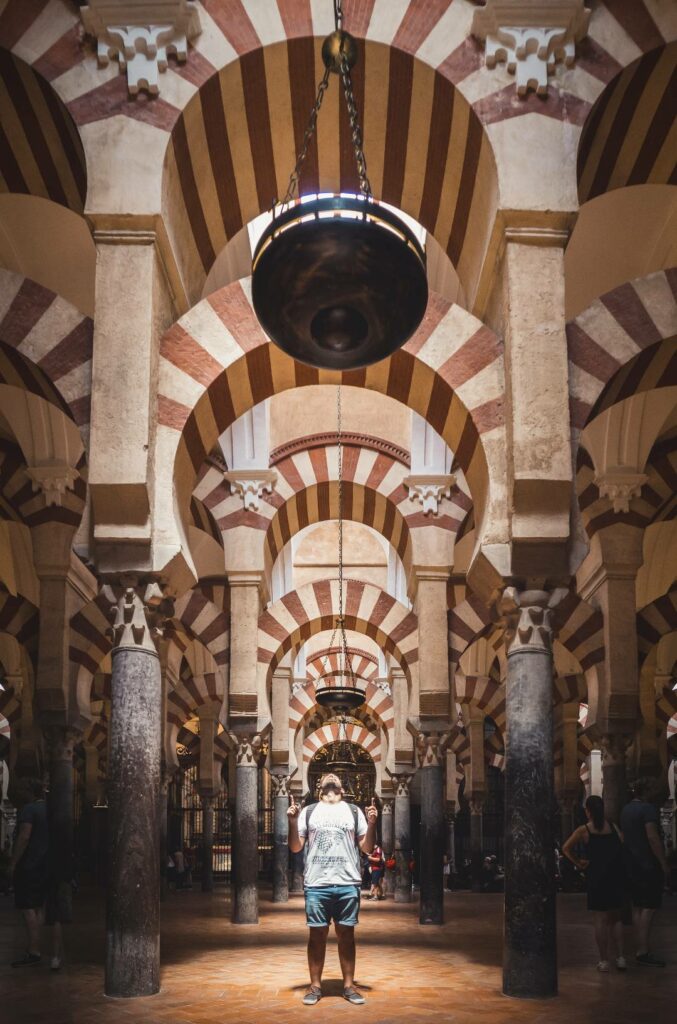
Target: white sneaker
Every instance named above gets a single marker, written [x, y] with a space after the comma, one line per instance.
[603, 966]
[55, 963]
[621, 963]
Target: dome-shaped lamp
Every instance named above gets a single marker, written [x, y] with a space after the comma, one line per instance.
[342, 699]
[338, 282]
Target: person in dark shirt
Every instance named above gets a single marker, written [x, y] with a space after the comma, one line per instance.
[30, 862]
[646, 864]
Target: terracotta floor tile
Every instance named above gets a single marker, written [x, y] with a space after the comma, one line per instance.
[214, 972]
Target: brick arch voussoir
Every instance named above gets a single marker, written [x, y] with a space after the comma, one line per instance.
[621, 345]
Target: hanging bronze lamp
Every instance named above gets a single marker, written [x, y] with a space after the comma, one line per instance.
[338, 282]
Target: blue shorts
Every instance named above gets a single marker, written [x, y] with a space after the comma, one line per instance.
[338, 903]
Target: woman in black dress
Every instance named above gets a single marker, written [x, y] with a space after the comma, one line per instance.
[605, 877]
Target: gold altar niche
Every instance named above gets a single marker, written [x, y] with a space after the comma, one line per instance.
[353, 765]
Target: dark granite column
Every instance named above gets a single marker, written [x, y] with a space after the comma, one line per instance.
[451, 840]
[60, 741]
[614, 775]
[431, 760]
[402, 829]
[388, 842]
[281, 792]
[133, 909]
[245, 832]
[164, 815]
[207, 877]
[530, 946]
[476, 849]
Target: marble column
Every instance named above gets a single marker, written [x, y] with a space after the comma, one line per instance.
[207, 878]
[530, 946]
[133, 909]
[388, 842]
[614, 774]
[246, 831]
[281, 792]
[476, 844]
[60, 741]
[431, 855]
[164, 839]
[402, 830]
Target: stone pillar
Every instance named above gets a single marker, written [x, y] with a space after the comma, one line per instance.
[431, 759]
[388, 842]
[402, 830]
[530, 949]
[451, 840]
[245, 832]
[567, 777]
[614, 774]
[281, 792]
[60, 742]
[207, 879]
[297, 864]
[133, 910]
[164, 839]
[476, 844]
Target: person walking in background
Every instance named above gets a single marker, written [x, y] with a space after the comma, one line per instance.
[647, 866]
[29, 865]
[605, 877]
[335, 831]
[376, 868]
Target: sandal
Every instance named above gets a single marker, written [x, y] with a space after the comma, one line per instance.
[312, 996]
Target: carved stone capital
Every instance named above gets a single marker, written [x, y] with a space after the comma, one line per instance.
[431, 749]
[387, 808]
[476, 804]
[620, 486]
[52, 479]
[527, 619]
[614, 747]
[401, 781]
[140, 34]
[530, 37]
[248, 749]
[251, 485]
[281, 785]
[429, 489]
[138, 612]
[60, 741]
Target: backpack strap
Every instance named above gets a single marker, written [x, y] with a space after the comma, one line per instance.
[353, 808]
[309, 810]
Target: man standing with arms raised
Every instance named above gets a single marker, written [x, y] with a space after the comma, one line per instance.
[336, 831]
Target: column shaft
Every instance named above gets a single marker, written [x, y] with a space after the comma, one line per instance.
[432, 844]
[530, 948]
[245, 845]
[281, 849]
[207, 879]
[387, 843]
[402, 826]
[133, 911]
[476, 851]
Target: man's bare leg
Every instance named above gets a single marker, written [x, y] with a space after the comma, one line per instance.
[346, 951]
[642, 917]
[33, 920]
[317, 948]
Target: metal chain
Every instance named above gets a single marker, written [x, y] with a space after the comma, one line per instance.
[355, 130]
[307, 136]
[338, 14]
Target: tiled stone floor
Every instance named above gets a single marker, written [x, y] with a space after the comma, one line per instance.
[216, 973]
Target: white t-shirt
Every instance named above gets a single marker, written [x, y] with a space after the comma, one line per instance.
[332, 855]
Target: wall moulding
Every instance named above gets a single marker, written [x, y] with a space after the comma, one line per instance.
[531, 37]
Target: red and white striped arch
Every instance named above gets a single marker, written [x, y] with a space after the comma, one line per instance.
[313, 608]
[377, 701]
[622, 344]
[332, 731]
[46, 346]
[329, 662]
[216, 363]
